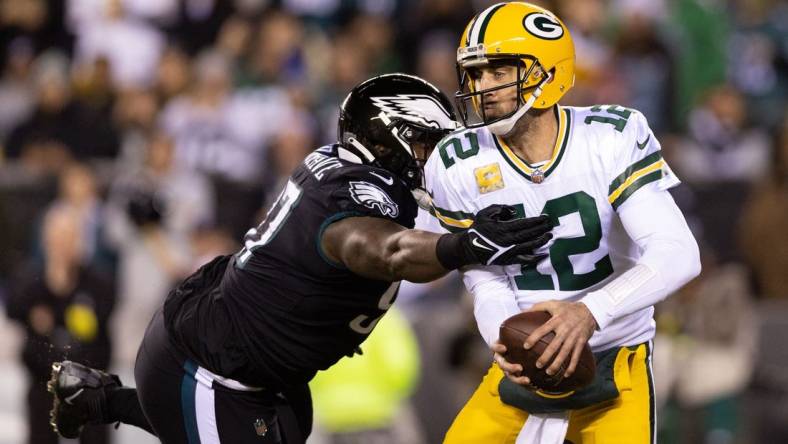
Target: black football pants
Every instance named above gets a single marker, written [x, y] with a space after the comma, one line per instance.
[184, 405]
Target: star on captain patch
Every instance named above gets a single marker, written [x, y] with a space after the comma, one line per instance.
[489, 178]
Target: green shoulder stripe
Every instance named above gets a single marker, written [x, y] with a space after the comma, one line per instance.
[639, 165]
[450, 228]
[636, 185]
[457, 215]
[453, 221]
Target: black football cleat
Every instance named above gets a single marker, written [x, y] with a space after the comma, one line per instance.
[80, 397]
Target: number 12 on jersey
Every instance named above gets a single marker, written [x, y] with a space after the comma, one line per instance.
[276, 217]
[583, 204]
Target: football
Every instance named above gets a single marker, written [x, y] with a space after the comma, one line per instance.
[513, 333]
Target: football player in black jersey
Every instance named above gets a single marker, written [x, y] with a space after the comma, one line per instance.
[229, 356]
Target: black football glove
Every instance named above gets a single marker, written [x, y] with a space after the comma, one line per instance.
[495, 238]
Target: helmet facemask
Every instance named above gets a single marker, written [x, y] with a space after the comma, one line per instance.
[393, 122]
[407, 160]
[529, 80]
[421, 140]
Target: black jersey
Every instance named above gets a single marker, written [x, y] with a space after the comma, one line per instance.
[279, 310]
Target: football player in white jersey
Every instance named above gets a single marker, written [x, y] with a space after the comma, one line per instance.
[620, 244]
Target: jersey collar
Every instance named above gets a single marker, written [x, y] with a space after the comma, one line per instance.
[531, 172]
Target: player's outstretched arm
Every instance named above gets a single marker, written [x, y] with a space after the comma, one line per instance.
[382, 249]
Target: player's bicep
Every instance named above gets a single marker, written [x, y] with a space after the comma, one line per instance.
[653, 221]
[652, 213]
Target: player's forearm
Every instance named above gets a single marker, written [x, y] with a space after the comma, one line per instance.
[493, 299]
[670, 259]
[411, 255]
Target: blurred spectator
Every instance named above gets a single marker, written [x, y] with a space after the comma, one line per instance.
[701, 30]
[291, 145]
[436, 59]
[150, 262]
[160, 12]
[64, 307]
[38, 23]
[16, 90]
[348, 67]
[363, 399]
[417, 18]
[198, 22]
[313, 9]
[92, 85]
[234, 39]
[152, 213]
[455, 356]
[131, 47]
[374, 35]
[173, 73]
[643, 64]
[708, 326]
[187, 198]
[60, 128]
[758, 57]
[763, 237]
[275, 55]
[226, 134]
[596, 77]
[216, 131]
[78, 193]
[722, 145]
[134, 114]
[207, 243]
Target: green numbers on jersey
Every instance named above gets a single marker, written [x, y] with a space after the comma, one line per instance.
[582, 203]
[618, 122]
[458, 148]
[276, 217]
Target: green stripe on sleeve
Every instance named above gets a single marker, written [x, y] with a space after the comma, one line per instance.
[458, 215]
[639, 165]
[636, 185]
[450, 228]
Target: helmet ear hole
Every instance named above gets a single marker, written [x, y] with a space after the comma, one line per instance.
[551, 77]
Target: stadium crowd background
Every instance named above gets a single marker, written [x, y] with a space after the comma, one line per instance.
[138, 138]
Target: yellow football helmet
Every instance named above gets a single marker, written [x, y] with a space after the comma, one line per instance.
[524, 35]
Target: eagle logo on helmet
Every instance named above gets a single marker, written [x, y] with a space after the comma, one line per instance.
[417, 108]
[373, 197]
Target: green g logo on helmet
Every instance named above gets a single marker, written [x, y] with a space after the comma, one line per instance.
[543, 26]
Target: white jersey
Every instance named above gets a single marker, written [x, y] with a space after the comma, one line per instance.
[603, 154]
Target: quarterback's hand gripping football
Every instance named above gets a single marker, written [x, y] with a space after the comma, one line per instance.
[496, 237]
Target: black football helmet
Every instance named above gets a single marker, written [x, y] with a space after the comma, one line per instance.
[393, 122]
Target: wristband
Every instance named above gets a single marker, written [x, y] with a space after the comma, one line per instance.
[450, 252]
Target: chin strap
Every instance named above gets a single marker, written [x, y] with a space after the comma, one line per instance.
[352, 157]
[347, 155]
[423, 199]
[504, 126]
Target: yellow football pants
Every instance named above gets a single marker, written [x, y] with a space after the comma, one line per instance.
[628, 419]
